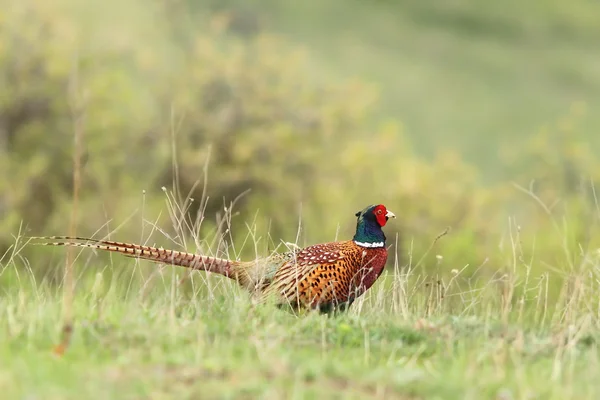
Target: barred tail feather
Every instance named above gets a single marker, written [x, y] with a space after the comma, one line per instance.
[159, 255]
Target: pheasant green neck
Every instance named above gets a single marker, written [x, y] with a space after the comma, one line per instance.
[368, 234]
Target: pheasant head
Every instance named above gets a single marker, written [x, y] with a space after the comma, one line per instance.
[368, 226]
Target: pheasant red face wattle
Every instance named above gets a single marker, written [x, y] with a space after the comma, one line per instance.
[382, 215]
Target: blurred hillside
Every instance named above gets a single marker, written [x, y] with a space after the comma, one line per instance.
[317, 108]
[473, 78]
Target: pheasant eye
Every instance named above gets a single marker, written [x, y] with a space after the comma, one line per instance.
[379, 211]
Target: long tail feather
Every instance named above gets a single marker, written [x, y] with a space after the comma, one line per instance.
[155, 254]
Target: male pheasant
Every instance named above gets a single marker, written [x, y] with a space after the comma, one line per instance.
[324, 276]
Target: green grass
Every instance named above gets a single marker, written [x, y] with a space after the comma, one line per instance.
[139, 333]
[144, 332]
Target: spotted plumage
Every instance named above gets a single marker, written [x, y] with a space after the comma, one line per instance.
[321, 276]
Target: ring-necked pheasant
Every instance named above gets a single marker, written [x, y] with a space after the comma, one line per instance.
[323, 276]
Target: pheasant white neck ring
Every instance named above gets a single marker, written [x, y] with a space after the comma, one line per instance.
[370, 245]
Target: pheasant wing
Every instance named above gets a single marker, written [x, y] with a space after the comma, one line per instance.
[317, 275]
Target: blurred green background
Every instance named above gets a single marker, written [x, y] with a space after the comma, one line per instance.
[445, 111]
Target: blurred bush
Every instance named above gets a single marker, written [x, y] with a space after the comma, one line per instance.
[157, 103]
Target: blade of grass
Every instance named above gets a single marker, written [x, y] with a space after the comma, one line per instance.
[77, 107]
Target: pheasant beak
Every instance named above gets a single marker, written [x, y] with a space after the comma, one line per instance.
[389, 215]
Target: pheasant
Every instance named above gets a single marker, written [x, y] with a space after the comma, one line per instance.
[323, 276]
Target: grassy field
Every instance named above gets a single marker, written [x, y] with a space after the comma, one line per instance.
[141, 332]
[505, 307]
